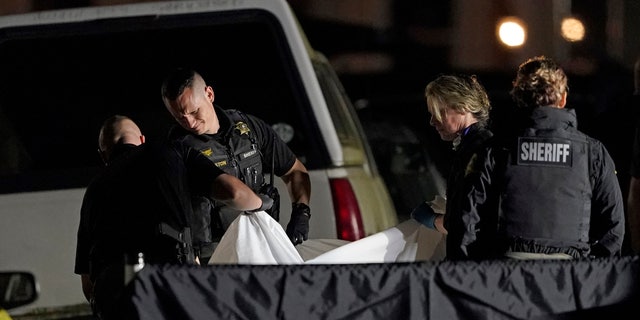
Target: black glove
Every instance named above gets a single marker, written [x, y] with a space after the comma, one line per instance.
[298, 227]
[266, 203]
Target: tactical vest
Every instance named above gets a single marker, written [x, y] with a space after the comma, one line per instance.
[237, 153]
[546, 193]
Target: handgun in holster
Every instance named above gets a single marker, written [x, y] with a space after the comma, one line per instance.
[271, 191]
[185, 252]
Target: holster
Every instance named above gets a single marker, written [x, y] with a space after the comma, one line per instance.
[272, 192]
[185, 252]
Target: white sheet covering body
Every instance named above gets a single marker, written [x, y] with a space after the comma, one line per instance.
[258, 239]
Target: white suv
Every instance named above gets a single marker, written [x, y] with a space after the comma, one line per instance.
[63, 72]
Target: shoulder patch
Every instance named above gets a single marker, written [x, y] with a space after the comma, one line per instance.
[242, 127]
[536, 151]
[207, 152]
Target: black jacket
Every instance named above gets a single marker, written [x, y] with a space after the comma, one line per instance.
[547, 188]
[473, 141]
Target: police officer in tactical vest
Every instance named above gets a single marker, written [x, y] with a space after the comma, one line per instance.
[241, 145]
[543, 189]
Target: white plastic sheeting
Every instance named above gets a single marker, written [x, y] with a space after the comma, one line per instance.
[258, 239]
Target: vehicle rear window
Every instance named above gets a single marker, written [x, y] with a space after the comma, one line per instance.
[59, 82]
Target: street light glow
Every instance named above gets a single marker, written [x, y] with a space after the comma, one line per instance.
[511, 32]
[572, 29]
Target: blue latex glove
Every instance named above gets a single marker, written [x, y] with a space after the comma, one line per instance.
[425, 215]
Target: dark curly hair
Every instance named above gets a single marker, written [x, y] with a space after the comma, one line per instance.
[539, 82]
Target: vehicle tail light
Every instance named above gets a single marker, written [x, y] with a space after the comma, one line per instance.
[348, 218]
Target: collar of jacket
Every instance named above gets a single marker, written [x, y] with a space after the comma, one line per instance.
[465, 131]
[552, 117]
[225, 123]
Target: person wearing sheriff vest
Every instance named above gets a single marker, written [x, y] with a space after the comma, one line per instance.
[241, 145]
[552, 190]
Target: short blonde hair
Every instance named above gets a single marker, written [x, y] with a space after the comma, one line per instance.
[539, 82]
[461, 93]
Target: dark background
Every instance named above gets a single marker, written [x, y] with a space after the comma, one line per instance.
[390, 101]
[385, 67]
